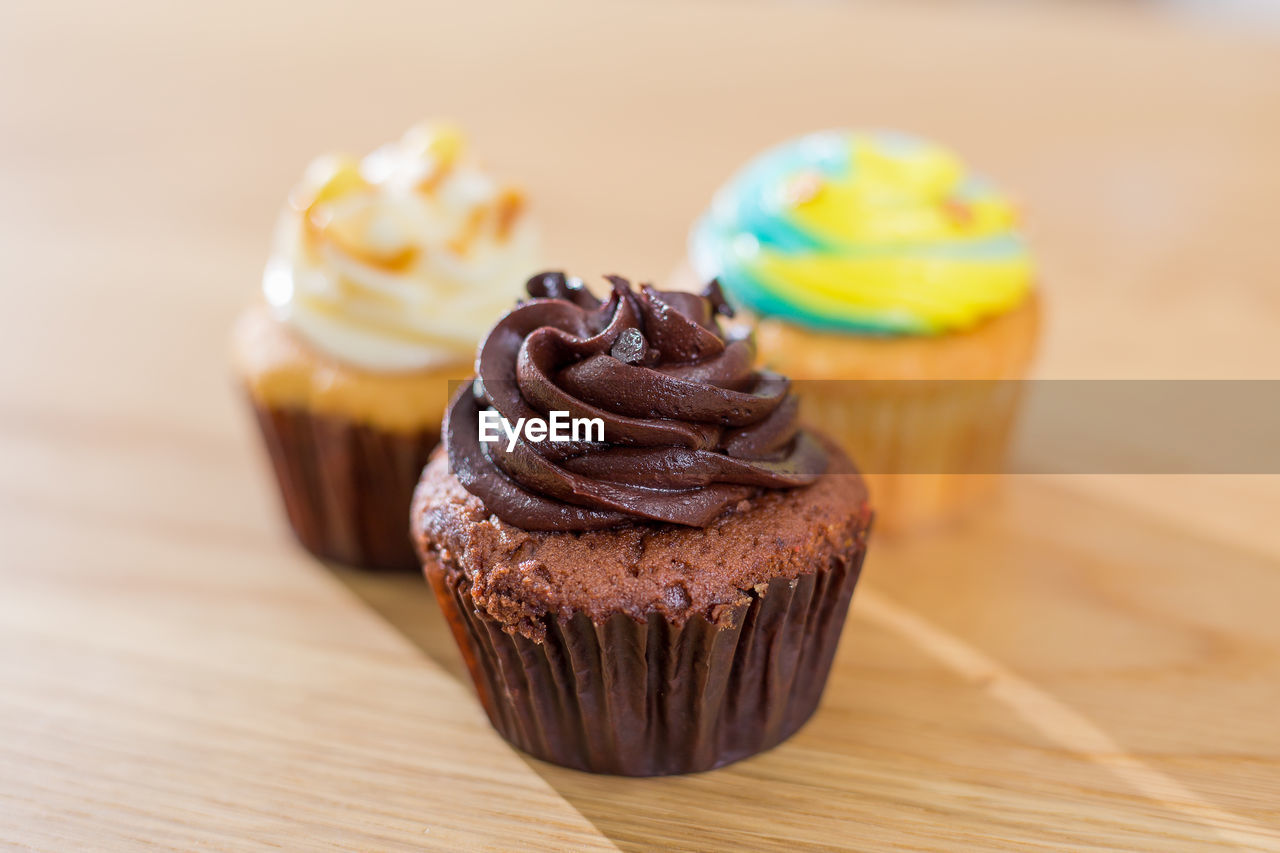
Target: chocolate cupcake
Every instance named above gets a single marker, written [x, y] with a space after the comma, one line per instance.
[661, 591]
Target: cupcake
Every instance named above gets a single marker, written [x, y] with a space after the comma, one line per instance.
[661, 590]
[384, 274]
[870, 262]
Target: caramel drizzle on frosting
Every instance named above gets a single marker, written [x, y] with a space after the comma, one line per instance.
[346, 235]
[460, 243]
[510, 206]
[443, 164]
[443, 150]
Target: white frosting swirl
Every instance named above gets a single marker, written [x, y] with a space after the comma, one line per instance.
[402, 260]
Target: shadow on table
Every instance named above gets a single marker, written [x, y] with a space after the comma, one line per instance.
[407, 603]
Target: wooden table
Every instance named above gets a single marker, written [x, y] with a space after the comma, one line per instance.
[1095, 662]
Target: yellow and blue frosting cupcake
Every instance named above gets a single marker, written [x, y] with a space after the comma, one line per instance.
[872, 233]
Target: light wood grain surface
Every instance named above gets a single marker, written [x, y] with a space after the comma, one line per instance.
[1094, 662]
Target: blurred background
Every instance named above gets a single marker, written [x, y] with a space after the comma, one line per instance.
[1138, 135]
[147, 148]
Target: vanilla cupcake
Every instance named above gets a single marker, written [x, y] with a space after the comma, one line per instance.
[870, 261]
[384, 274]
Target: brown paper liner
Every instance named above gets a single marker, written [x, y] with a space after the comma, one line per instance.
[949, 438]
[654, 698]
[346, 486]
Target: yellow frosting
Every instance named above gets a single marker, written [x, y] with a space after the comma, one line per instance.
[865, 232]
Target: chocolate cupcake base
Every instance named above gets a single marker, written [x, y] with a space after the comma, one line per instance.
[653, 697]
[346, 486]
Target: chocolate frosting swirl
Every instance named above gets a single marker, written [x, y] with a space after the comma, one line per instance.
[690, 427]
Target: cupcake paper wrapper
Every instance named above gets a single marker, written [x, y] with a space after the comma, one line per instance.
[653, 698]
[927, 449]
[346, 486]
